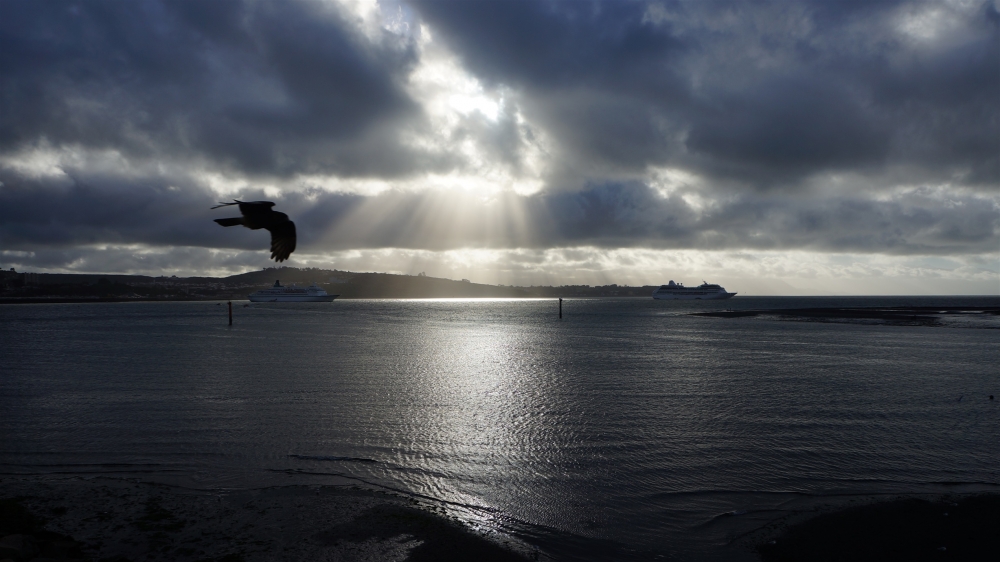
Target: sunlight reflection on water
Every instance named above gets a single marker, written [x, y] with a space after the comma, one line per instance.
[628, 421]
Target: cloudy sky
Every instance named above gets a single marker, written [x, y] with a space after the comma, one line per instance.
[786, 147]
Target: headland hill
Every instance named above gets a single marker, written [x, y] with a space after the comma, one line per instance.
[27, 287]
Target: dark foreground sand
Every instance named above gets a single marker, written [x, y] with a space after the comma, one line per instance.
[966, 529]
[117, 520]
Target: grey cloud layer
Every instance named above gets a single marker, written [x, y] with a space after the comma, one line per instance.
[273, 88]
[163, 212]
[764, 92]
[757, 99]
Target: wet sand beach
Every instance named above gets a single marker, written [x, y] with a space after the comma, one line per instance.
[119, 520]
[75, 518]
[910, 529]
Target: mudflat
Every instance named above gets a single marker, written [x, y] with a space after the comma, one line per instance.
[895, 315]
[959, 529]
[77, 518]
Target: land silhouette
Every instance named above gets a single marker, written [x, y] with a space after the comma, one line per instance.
[65, 287]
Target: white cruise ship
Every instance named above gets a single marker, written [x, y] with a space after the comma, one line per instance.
[677, 291]
[280, 293]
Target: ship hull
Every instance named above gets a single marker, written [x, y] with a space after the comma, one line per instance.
[683, 297]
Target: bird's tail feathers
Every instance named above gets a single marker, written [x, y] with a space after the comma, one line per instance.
[229, 222]
[221, 204]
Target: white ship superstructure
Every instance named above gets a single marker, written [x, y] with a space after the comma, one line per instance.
[292, 293]
[677, 291]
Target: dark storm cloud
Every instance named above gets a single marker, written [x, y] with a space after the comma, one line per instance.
[592, 73]
[279, 88]
[769, 106]
[760, 94]
[85, 208]
[821, 127]
[546, 44]
[633, 215]
[88, 210]
[99, 209]
[766, 93]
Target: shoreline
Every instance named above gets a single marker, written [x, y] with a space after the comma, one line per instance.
[948, 527]
[120, 520]
[875, 312]
[62, 300]
[123, 519]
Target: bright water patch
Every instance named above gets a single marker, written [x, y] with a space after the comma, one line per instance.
[627, 430]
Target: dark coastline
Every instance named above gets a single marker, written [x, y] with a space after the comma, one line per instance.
[72, 288]
[122, 520]
[912, 529]
[98, 518]
[70, 300]
[63, 288]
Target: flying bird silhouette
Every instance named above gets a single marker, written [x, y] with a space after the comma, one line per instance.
[257, 215]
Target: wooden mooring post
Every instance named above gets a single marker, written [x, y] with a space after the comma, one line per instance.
[560, 309]
[230, 313]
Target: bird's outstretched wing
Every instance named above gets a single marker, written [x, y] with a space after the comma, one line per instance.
[282, 240]
[257, 215]
[256, 210]
[248, 208]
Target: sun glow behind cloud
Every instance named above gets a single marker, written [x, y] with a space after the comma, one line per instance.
[463, 115]
[514, 142]
[941, 21]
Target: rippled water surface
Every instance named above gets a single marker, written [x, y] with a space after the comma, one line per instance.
[628, 429]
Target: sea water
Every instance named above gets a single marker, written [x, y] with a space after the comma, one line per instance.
[628, 429]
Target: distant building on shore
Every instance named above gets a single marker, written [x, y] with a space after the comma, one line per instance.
[13, 278]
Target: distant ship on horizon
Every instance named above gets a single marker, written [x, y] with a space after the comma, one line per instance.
[292, 293]
[677, 291]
